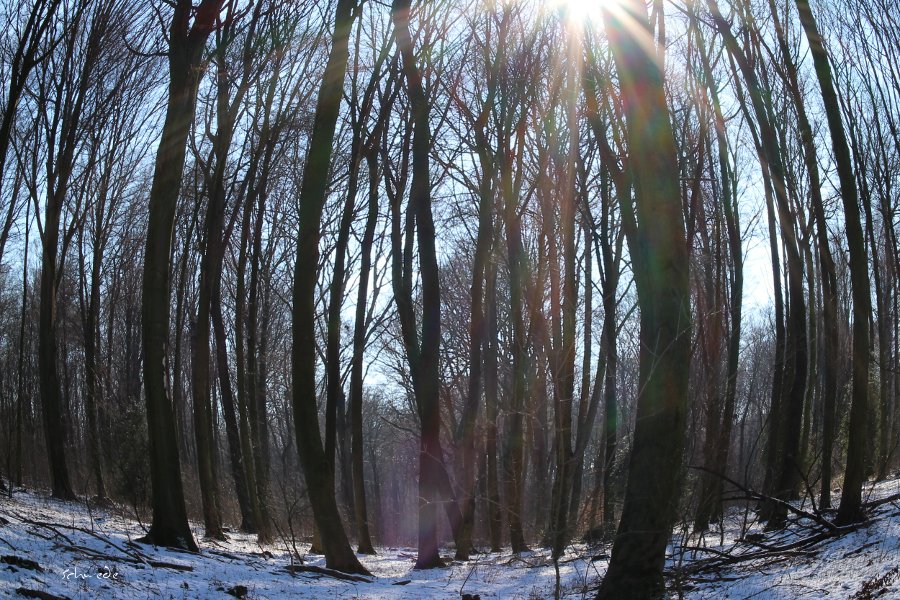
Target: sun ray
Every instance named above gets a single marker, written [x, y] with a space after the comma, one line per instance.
[579, 10]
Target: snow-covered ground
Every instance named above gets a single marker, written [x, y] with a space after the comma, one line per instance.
[69, 550]
[862, 563]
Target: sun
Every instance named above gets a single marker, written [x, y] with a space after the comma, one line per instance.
[579, 10]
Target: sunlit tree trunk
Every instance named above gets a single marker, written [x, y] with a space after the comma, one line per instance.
[659, 255]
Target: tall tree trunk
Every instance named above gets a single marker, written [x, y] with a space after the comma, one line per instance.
[68, 95]
[249, 396]
[564, 326]
[242, 484]
[209, 301]
[589, 401]
[189, 31]
[423, 353]
[177, 389]
[514, 453]
[207, 470]
[661, 274]
[710, 500]
[356, 370]
[786, 473]
[313, 192]
[55, 430]
[335, 413]
[20, 362]
[254, 405]
[830, 342]
[477, 332]
[491, 410]
[850, 509]
[91, 359]
[611, 254]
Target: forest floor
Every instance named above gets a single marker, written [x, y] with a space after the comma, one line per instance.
[54, 549]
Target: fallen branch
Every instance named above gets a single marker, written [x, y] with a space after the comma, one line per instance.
[138, 556]
[39, 594]
[294, 569]
[22, 563]
[876, 503]
[722, 559]
[753, 494]
[159, 564]
[173, 566]
[224, 554]
[130, 556]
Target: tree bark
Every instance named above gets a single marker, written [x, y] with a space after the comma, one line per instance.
[661, 274]
[356, 370]
[190, 28]
[313, 192]
[850, 509]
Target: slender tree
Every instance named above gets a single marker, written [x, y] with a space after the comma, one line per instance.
[313, 193]
[850, 509]
[422, 348]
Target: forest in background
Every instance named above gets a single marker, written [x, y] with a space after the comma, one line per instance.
[313, 268]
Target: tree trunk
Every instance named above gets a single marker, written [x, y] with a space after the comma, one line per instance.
[313, 192]
[335, 413]
[710, 507]
[242, 484]
[850, 509]
[514, 454]
[830, 341]
[491, 402]
[210, 271]
[186, 42]
[55, 430]
[786, 473]
[465, 435]
[661, 273]
[254, 403]
[20, 362]
[563, 313]
[356, 370]
[423, 353]
[92, 362]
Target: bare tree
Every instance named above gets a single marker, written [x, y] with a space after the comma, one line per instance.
[850, 509]
[661, 273]
[190, 27]
[313, 191]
